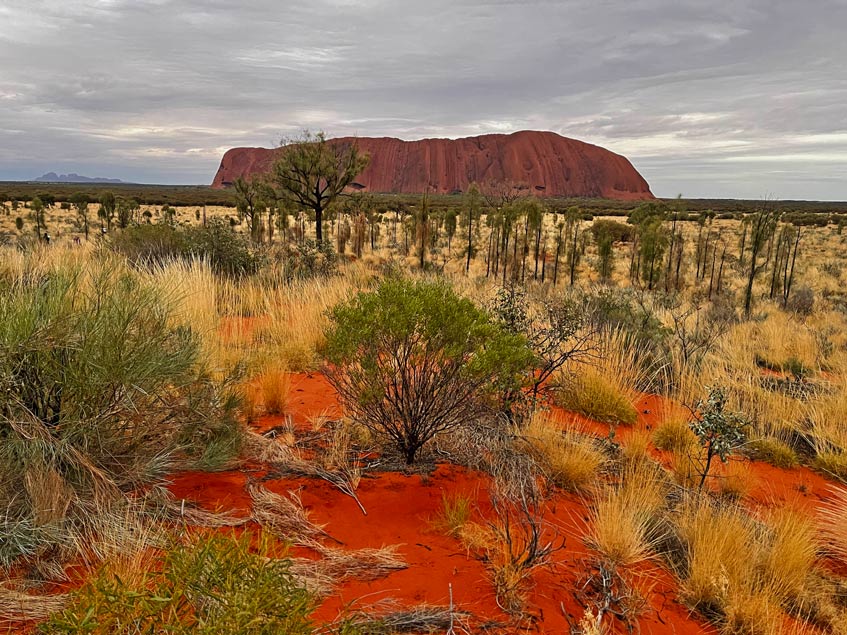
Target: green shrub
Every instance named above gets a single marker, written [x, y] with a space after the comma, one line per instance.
[412, 359]
[308, 259]
[145, 245]
[214, 585]
[617, 231]
[227, 252]
[100, 393]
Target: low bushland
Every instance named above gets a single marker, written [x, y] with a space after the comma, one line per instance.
[570, 460]
[210, 583]
[102, 392]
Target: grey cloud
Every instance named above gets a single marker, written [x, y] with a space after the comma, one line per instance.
[725, 98]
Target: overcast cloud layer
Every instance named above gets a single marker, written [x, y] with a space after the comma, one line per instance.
[727, 98]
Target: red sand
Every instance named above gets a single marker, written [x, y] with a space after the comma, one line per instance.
[400, 509]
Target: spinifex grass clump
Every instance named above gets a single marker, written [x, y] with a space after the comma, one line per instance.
[215, 584]
[412, 359]
[101, 392]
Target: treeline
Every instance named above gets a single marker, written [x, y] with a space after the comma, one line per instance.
[198, 195]
[176, 195]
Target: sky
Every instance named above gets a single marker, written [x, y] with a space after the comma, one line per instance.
[719, 99]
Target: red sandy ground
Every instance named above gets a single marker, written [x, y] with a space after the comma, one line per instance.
[400, 508]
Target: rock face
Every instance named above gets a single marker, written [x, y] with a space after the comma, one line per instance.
[547, 163]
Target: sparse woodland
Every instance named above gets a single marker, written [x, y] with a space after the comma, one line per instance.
[636, 422]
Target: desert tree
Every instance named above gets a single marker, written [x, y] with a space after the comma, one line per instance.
[312, 172]
[651, 241]
[719, 430]
[36, 206]
[108, 205]
[80, 202]
[573, 231]
[450, 223]
[763, 224]
[127, 209]
[247, 202]
[422, 229]
[412, 359]
[471, 212]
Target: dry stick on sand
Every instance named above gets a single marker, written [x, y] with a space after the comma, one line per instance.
[285, 459]
[285, 517]
[16, 606]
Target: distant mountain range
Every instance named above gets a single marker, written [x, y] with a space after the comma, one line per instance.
[52, 177]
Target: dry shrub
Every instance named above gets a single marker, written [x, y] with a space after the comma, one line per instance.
[625, 525]
[832, 524]
[387, 618]
[360, 564]
[274, 385]
[512, 545]
[276, 450]
[17, 606]
[590, 393]
[790, 558]
[686, 465]
[283, 516]
[571, 460]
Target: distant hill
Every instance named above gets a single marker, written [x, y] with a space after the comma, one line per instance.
[52, 177]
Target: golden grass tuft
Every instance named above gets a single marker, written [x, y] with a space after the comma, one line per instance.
[832, 524]
[571, 460]
[591, 394]
[773, 451]
[274, 385]
[625, 524]
[742, 572]
[674, 435]
[790, 557]
[454, 515]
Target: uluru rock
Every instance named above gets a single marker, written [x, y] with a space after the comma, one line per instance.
[547, 163]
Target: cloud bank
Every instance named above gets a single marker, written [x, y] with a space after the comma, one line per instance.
[721, 99]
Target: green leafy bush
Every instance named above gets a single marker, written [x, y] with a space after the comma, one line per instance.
[145, 245]
[412, 359]
[100, 393]
[214, 585]
[617, 231]
[227, 252]
[308, 259]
